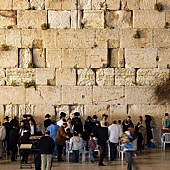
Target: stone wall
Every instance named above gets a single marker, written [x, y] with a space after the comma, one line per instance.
[87, 59]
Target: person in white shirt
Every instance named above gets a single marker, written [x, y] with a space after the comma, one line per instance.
[119, 123]
[62, 118]
[114, 135]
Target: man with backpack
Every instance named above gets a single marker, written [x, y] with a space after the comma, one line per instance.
[166, 121]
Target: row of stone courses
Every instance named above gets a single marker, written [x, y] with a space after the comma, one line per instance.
[84, 77]
[83, 4]
[84, 19]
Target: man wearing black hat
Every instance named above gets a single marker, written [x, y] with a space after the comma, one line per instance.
[94, 118]
[62, 119]
[47, 121]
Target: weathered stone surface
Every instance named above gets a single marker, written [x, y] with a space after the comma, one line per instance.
[2, 77]
[118, 19]
[54, 5]
[38, 4]
[10, 110]
[148, 19]
[9, 59]
[13, 37]
[26, 109]
[14, 95]
[27, 19]
[76, 95]
[86, 4]
[145, 4]
[53, 58]
[105, 77]
[96, 58]
[59, 19]
[108, 95]
[74, 19]
[43, 75]
[62, 108]
[66, 76]
[2, 112]
[86, 77]
[7, 18]
[167, 16]
[25, 57]
[113, 4]
[127, 40]
[140, 58]
[69, 4]
[124, 76]
[130, 5]
[20, 4]
[39, 58]
[98, 5]
[18, 76]
[93, 19]
[151, 76]
[141, 95]
[76, 108]
[44, 95]
[166, 4]
[6, 5]
[73, 58]
[161, 38]
[2, 36]
[164, 58]
[29, 36]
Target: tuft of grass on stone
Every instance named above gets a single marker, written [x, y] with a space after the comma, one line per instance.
[30, 84]
[45, 26]
[158, 6]
[4, 47]
[137, 34]
[167, 25]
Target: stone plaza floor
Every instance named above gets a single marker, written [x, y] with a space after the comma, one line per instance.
[149, 159]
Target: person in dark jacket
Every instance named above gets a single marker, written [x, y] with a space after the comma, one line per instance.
[47, 121]
[102, 135]
[15, 121]
[46, 145]
[13, 142]
[127, 123]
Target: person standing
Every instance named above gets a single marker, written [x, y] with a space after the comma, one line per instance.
[127, 123]
[114, 135]
[47, 121]
[62, 119]
[46, 145]
[92, 146]
[2, 137]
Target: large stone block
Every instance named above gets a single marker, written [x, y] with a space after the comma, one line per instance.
[29, 37]
[44, 95]
[2, 77]
[161, 38]
[108, 95]
[25, 57]
[2, 113]
[105, 77]
[130, 4]
[38, 4]
[26, 109]
[59, 19]
[66, 76]
[13, 37]
[73, 58]
[96, 58]
[76, 94]
[124, 76]
[140, 58]
[127, 40]
[118, 19]
[11, 110]
[44, 76]
[2, 36]
[141, 95]
[53, 58]
[39, 58]
[17, 97]
[69, 4]
[86, 4]
[6, 5]
[86, 77]
[98, 5]
[151, 77]
[111, 36]
[18, 76]
[148, 19]
[74, 19]
[166, 4]
[9, 59]
[27, 19]
[21, 4]
[53, 5]
[113, 4]
[145, 4]
[8, 18]
[93, 19]
[164, 58]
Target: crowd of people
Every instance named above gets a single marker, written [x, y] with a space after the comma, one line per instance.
[89, 134]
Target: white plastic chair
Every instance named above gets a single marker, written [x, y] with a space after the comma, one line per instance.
[165, 139]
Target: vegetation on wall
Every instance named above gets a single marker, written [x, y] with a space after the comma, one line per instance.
[137, 34]
[30, 84]
[4, 47]
[158, 6]
[45, 26]
[167, 25]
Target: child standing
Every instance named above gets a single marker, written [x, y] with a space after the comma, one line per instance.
[76, 143]
[92, 146]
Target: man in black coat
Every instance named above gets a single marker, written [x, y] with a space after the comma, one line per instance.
[101, 133]
[46, 145]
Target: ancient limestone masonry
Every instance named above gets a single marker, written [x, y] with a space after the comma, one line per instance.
[96, 53]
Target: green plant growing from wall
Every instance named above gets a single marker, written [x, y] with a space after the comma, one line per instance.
[45, 26]
[4, 47]
[30, 84]
[137, 34]
[31, 65]
[167, 25]
[31, 8]
[9, 27]
[13, 83]
[162, 91]
[158, 6]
